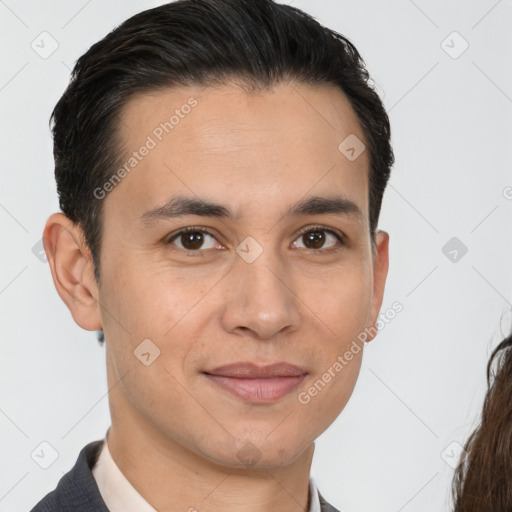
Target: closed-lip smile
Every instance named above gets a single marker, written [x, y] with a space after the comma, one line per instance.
[257, 384]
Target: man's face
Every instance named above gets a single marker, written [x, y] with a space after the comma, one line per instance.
[216, 298]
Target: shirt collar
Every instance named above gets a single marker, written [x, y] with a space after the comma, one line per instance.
[119, 494]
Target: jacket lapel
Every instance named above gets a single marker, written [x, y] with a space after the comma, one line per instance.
[325, 506]
[77, 490]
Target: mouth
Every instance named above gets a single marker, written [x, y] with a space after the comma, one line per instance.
[257, 384]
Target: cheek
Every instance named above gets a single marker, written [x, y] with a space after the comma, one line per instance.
[171, 313]
[334, 379]
[325, 396]
[150, 301]
[342, 308]
[342, 303]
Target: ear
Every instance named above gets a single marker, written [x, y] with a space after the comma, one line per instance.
[72, 270]
[380, 272]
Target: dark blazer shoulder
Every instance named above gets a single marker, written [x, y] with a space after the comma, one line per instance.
[77, 490]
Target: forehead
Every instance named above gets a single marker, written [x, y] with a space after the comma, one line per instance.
[225, 142]
[301, 109]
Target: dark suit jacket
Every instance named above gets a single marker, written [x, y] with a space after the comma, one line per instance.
[77, 490]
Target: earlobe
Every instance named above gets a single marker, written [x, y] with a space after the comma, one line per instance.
[72, 270]
[380, 272]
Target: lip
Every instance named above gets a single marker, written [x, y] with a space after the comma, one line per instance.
[257, 384]
[248, 370]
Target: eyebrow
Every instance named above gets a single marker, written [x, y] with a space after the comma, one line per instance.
[180, 206]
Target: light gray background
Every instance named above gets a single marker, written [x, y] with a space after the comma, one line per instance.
[423, 377]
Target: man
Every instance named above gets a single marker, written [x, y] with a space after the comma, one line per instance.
[220, 167]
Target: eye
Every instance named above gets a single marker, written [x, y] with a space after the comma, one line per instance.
[317, 236]
[193, 239]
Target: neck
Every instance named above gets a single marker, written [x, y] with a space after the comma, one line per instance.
[170, 477]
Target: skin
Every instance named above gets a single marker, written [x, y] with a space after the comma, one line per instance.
[175, 435]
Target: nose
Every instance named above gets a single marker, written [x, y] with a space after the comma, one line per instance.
[261, 298]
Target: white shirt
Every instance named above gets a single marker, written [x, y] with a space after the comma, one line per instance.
[119, 494]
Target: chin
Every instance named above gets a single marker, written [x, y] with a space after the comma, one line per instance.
[256, 453]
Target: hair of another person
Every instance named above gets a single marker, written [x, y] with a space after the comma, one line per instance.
[483, 479]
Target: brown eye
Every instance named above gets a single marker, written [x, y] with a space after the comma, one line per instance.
[317, 238]
[314, 239]
[193, 239]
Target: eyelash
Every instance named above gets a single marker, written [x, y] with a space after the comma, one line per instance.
[194, 229]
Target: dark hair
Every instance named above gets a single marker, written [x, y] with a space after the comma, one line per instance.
[483, 479]
[257, 43]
